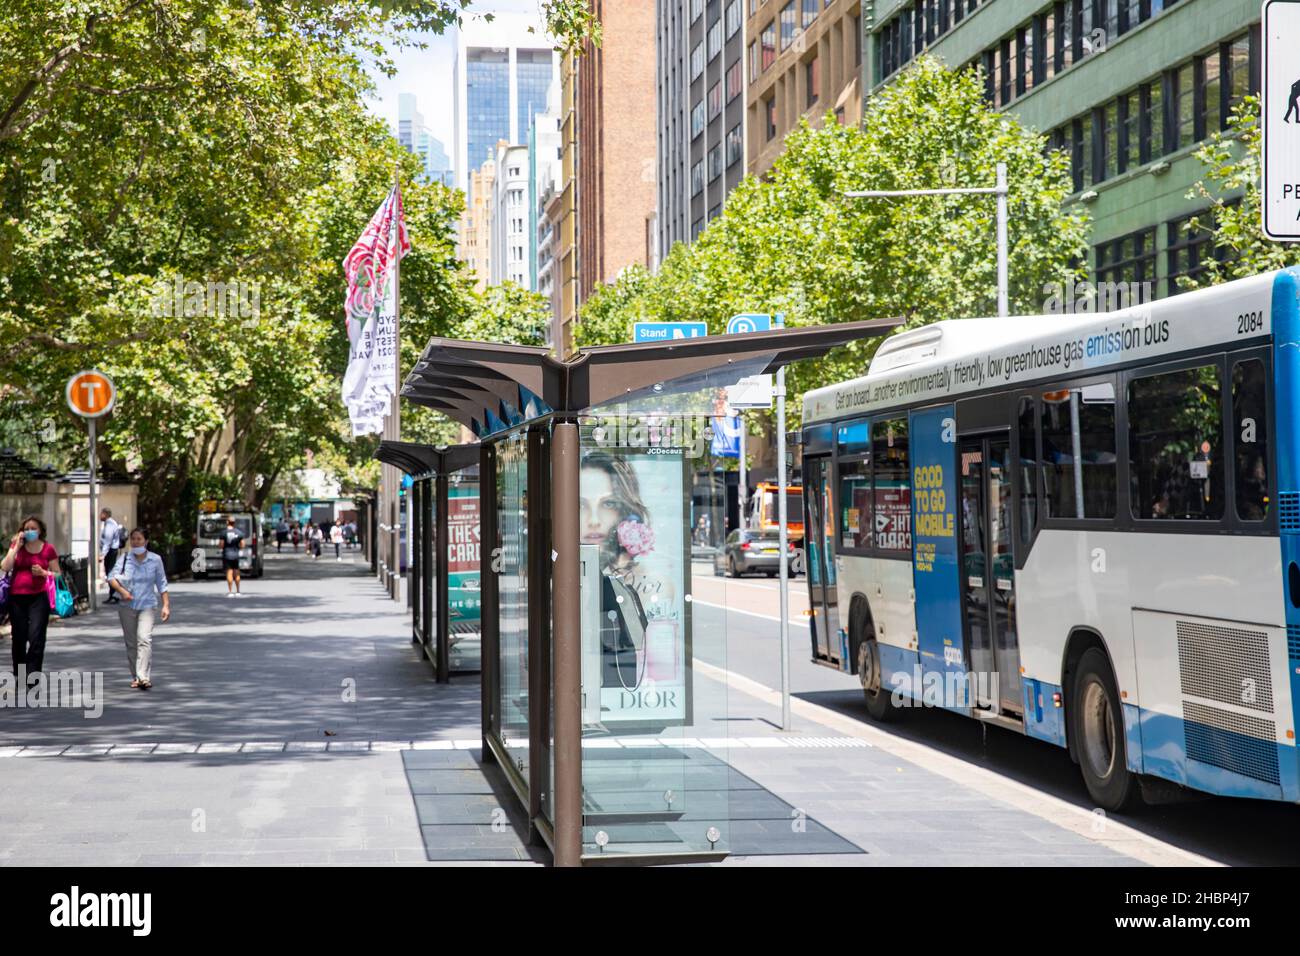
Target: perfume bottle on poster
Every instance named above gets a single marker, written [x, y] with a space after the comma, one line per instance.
[661, 650]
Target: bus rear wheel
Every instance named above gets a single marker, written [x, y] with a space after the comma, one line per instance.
[1098, 727]
[880, 703]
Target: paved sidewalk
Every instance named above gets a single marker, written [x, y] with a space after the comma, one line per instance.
[288, 728]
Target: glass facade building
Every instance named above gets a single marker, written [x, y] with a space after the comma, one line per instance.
[488, 98]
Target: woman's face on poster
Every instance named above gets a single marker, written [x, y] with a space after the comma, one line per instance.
[601, 510]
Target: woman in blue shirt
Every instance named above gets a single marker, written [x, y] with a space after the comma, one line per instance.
[141, 581]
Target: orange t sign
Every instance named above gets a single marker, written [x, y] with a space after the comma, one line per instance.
[91, 394]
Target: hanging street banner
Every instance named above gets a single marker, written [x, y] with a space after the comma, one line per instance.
[371, 310]
[1280, 195]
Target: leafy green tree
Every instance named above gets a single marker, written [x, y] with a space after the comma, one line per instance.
[793, 243]
[1231, 187]
[149, 148]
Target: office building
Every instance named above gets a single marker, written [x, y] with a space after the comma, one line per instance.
[475, 246]
[804, 59]
[1130, 88]
[415, 137]
[512, 244]
[701, 113]
[502, 72]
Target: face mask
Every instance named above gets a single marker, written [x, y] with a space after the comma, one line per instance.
[139, 551]
[31, 535]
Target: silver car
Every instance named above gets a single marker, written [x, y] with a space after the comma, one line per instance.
[749, 551]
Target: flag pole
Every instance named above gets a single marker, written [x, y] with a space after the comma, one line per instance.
[393, 425]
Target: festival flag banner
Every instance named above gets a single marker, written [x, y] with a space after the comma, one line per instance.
[371, 310]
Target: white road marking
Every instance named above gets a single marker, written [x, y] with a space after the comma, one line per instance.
[1077, 820]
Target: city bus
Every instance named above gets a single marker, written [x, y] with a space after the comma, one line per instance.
[1082, 527]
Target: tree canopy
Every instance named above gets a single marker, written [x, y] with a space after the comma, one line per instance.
[179, 183]
[792, 243]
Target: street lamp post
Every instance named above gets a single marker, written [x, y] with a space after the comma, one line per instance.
[1000, 191]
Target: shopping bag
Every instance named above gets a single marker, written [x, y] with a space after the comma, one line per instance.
[64, 606]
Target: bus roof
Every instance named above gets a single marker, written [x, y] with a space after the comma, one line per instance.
[958, 356]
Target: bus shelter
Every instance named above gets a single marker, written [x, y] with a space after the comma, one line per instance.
[602, 694]
[443, 511]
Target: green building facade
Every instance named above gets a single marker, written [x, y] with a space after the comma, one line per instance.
[1130, 88]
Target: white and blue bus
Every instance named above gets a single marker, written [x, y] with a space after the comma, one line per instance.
[1084, 527]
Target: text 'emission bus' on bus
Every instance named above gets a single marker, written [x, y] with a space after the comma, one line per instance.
[1082, 527]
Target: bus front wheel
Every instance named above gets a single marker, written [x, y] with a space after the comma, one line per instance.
[880, 703]
[1098, 727]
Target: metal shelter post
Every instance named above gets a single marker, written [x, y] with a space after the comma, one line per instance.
[566, 630]
[442, 611]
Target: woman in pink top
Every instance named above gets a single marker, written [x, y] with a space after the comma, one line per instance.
[33, 562]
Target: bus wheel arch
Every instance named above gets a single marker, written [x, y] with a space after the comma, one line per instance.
[1094, 721]
[1080, 640]
[865, 658]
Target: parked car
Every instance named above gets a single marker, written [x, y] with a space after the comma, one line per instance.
[749, 551]
[208, 536]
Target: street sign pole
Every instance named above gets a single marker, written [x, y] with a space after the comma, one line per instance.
[1001, 190]
[784, 543]
[93, 566]
[744, 481]
[91, 394]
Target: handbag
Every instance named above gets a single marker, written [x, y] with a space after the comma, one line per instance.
[64, 606]
[6, 582]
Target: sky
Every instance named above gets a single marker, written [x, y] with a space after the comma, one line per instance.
[428, 74]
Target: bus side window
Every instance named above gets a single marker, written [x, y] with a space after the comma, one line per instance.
[1027, 422]
[892, 488]
[1250, 439]
[1175, 428]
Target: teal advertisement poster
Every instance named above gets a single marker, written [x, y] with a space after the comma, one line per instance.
[935, 562]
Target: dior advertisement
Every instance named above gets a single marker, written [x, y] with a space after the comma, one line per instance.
[635, 613]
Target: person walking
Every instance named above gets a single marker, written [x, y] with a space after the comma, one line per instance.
[141, 581]
[34, 564]
[317, 539]
[336, 539]
[281, 535]
[110, 533]
[295, 533]
[231, 543]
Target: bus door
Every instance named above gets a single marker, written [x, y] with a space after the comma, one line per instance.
[988, 572]
[819, 559]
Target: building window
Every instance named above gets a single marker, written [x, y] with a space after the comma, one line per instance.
[697, 178]
[812, 82]
[1175, 428]
[1131, 261]
[697, 61]
[715, 101]
[735, 80]
[735, 145]
[715, 162]
[715, 212]
[697, 227]
[715, 39]
[769, 110]
[789, 24]
[753, 61]
[733, 18]
[810, 10]
[768, 40]
[697, 8]
[697, 119]
[1188, 250]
